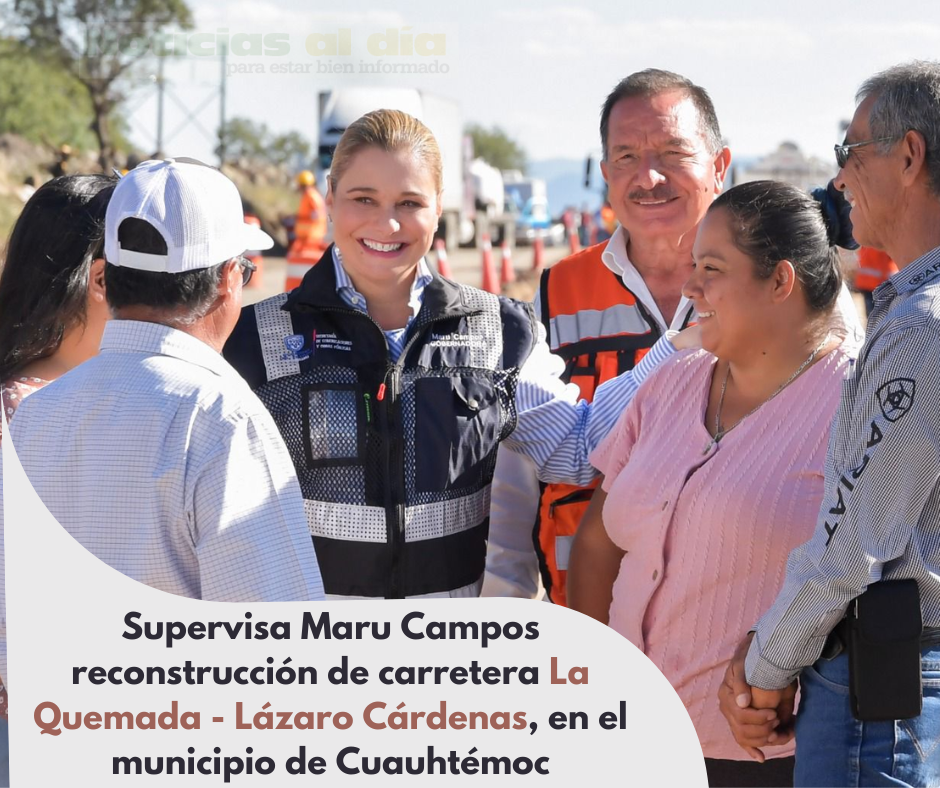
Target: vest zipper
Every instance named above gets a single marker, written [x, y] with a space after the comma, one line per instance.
[393, 441]
[395, 462]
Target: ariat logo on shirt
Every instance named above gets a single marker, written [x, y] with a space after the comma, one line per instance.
[923, 276]
[896, 397]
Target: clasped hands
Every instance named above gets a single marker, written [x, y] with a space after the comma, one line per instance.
[757, 717]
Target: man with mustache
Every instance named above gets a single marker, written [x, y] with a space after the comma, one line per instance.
[606, 306]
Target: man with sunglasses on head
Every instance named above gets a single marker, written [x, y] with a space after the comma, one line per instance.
[864, 591]
[155, 454]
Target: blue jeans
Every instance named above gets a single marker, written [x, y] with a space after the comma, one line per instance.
[4, 754]
[835, 749]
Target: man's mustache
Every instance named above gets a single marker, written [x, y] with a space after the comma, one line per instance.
[656, 194]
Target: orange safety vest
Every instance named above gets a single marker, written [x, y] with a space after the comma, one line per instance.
[600, 329]
[874, 267]
[310, 240]
[310, 228]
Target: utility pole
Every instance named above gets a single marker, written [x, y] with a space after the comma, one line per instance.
[222, 134]
[160, 89]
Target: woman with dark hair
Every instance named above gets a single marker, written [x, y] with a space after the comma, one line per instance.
[697, 538]
[52, 305]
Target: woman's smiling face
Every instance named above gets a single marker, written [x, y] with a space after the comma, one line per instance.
[731, 302]
[385, 209]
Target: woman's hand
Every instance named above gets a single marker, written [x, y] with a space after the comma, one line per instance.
[688, 339]
[756, 717]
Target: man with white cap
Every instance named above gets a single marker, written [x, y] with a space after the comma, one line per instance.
[155, 454]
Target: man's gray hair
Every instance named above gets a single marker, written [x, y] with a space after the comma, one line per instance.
[907, 98]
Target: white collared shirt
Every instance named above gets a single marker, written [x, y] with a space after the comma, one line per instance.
[615, 258]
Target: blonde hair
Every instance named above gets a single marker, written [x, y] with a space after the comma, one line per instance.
[389, 130]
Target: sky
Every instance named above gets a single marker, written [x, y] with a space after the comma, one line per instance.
[541, 69]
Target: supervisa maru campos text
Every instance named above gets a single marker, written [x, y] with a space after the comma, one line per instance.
[322, 627]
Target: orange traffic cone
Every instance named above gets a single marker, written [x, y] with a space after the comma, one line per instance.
[443, 267]
[490, 281]
[574, 245]
[301, 258]
[538, 254]
[257, 278]
[507, 273]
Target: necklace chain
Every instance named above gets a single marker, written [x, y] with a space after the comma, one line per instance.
[720, 433]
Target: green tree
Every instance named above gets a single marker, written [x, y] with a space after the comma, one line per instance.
[290, 149]
[497, 148]
[242, 138]
[40, 101]
[98, 42]
[254, 142]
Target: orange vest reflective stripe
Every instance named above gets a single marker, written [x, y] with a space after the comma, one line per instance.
[874, 267]
[600, 329]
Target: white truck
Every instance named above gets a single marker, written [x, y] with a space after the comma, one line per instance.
[340, 107]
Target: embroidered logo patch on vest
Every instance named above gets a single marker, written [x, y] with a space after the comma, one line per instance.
[296, 347]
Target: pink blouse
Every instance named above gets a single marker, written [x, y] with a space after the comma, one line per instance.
[707, 535]
[13, 390]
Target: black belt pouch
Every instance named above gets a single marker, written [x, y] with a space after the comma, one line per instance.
[884, 652]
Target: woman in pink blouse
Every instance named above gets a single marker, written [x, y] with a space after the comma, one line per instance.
[715, 471]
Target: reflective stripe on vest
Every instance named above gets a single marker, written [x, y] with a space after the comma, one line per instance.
[274, 325]
[874, 267]
[356, 523]
[563, 551]
[594, 323]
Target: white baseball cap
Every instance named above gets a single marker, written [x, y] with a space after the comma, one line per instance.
[196, 209]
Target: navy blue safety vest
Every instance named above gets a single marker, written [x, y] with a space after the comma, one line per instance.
[394, 460]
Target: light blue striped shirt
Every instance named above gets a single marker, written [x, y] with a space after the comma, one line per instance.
[555, 427]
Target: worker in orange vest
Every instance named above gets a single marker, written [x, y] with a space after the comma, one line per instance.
[874, 267]
[310, 227]
[310, 231]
